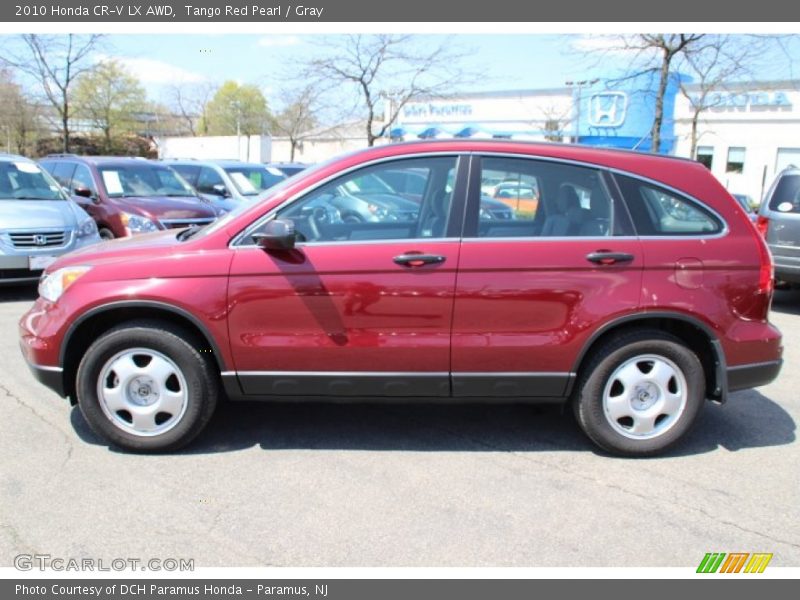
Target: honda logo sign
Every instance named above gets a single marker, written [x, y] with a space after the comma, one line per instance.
[608, 109]
[40, 240]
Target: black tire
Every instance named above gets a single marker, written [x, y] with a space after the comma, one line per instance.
[198, 388]
[105, 233]
[633, 349]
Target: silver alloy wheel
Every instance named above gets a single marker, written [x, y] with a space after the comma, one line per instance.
[645, 396]
[142, 391]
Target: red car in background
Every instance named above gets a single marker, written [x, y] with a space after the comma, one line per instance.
[634, 290]
[129, 196]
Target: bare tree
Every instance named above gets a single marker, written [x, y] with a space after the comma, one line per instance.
[19, 117]
[385, 72]
[189, 101]
[55, 62]
[299, 116]
[719, 60]
[556, 118]
[656, 53]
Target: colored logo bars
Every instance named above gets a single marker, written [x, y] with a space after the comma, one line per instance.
[714, 562]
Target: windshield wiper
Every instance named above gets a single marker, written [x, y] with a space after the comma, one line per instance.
[189, 232]
[32, 198]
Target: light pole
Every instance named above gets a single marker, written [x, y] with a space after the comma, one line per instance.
[578, 85]
[237, 105]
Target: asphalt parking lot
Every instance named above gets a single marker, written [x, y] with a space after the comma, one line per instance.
[371, 485]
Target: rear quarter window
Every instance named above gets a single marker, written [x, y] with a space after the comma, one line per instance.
[661, 212]
[786, 197]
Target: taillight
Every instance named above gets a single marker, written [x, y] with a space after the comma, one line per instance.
[762, 224]
[766, 271]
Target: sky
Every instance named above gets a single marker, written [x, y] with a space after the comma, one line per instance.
[265, 59]
[501, 62]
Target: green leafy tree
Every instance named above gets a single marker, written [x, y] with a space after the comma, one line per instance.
[111, 99]
[237, 110]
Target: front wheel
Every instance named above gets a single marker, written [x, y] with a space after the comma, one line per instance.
[145, 387]
[639, 393]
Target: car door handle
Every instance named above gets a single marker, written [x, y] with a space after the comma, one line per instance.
[410, 259]
[604, 257]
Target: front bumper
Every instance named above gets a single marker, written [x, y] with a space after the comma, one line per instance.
[51, 377]
[15, 270]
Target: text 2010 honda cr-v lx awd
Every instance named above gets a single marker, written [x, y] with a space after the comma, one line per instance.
[634, 289]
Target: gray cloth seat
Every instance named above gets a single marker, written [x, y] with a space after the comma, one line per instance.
[569, 216]
[599, 221]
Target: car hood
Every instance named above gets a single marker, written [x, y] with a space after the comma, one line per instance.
[121, 249]
[169, 207]
[36, 214]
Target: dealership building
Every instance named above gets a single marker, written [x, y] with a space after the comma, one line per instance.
[747, 134]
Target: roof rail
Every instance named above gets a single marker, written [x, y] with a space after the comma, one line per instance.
[61, 155]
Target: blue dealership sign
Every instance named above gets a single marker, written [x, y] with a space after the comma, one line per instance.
[620, 112]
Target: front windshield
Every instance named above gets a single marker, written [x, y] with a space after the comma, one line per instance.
[251, 181]
[23, 180]
[143, 180]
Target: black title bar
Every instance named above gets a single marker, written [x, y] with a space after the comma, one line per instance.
[441, 11]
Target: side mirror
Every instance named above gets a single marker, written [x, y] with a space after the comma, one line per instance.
[220, 190]
[84, 192]
[277, 234]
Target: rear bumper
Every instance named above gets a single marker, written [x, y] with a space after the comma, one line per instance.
[787, 266]
[743, 377]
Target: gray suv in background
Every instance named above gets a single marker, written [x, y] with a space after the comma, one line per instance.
[38, 221]
[779, 222]
[229, 182]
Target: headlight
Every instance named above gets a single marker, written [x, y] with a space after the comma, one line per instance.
[87, 228]
[54, 284]
[137, 224]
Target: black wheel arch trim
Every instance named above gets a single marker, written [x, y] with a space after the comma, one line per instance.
[154, 304]
[719, 394]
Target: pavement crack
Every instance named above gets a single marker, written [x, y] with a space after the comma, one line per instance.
[607, 484]
[67, 440]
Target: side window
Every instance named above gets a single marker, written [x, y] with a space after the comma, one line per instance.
[534, 198]
[61, 171]
[207, 179]
[83, 179]
[657, 211]
[363, 205]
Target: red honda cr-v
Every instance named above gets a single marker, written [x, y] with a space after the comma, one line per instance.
[635, 288]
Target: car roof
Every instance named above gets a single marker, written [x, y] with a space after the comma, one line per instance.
[221, 162]
[5, 157]
[101, 160]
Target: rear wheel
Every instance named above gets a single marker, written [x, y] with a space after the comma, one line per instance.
[105, 233]
[639, 393]
[145, 387]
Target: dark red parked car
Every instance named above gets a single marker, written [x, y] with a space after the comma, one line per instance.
[634, 290]
[129, 196]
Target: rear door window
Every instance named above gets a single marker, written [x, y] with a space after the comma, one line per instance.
[535, 198]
